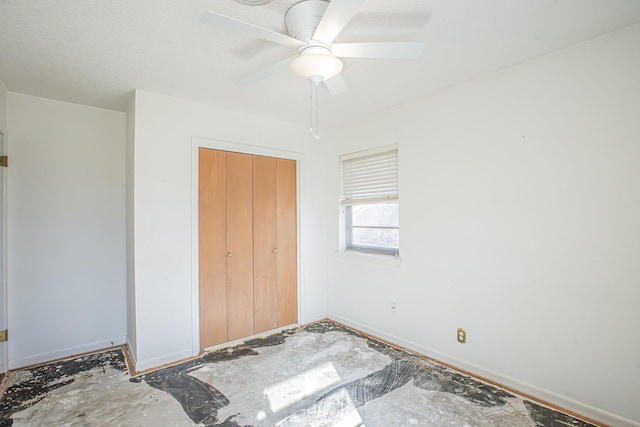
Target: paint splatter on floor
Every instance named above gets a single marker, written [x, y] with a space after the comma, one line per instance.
[25, 388]
[319, 375]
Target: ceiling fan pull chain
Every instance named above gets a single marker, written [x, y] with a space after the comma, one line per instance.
[310, 106]
[317, 130]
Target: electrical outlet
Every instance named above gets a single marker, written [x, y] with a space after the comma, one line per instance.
[462, 336]
[394, 307]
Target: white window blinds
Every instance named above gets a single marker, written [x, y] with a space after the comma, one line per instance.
[370, 176]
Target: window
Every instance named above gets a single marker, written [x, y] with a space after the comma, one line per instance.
[370, 200]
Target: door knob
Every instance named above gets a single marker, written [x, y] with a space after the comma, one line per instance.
[275, 251]
[229, 254]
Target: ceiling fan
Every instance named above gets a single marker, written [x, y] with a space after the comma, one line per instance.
[313, 26]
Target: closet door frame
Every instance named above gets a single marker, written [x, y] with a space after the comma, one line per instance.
[196, 144]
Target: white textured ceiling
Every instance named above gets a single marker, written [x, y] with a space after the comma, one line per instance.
[95, 52]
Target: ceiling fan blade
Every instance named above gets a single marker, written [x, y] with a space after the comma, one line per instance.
[267, 72]
[218, 20]
[335, 18]
[382, 50]
[336, 85]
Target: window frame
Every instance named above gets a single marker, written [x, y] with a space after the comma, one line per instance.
[347, 226]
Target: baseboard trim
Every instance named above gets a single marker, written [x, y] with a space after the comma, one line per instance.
[539, 395]
[162, 361]
[312, 319]
[65, 353]
[129, 357]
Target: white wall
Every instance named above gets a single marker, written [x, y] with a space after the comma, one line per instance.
[520, 221]
[66, 227]
[164, 249]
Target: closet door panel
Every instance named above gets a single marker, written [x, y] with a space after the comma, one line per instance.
[287, 228]
[265, 249]
[239, 246]
[212, 214]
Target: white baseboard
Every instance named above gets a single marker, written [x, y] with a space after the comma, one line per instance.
[64, 353]
[567, 403]
[143, 365]
[312, 318]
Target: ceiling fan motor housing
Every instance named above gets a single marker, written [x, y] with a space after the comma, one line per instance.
[303, 18]
[315, 60]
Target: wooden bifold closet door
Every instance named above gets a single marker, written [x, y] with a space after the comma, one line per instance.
[247, 245]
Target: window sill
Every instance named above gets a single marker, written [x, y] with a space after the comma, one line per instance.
[380, 259]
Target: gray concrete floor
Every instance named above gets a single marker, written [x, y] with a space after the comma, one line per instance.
[319, 375]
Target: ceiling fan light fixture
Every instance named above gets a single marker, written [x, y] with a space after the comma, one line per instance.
[316, 64]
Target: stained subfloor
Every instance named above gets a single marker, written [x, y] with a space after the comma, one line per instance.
[319, 375]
